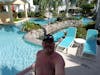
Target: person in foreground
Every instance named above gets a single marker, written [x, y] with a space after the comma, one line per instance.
[48, 62]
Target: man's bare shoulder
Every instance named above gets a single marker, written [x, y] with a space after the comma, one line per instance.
[39, 52]
[59, 65]
[58, 57]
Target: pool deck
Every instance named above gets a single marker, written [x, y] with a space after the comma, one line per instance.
[75, 65]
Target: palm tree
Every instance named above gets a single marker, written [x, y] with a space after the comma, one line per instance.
[55, 4]
[36, 2]
[80, 2]
[67, 6]
[44, 4]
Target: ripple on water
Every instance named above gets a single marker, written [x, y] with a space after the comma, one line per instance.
[15, 53]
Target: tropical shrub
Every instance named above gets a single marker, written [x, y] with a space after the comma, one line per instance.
[28, 26]
[50, 4]
[90, 26]
[15, 14]
[61, 16]
[21, 14]
[80, 2]
[39, 15]
[86, 9]
[30, 14]
[81, 32]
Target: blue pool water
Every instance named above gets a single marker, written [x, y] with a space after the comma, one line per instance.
[42, 21]
[59, 34]
[86, 21]
[15, 53]
[77, 17]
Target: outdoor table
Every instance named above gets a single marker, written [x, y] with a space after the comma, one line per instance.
[80, 42]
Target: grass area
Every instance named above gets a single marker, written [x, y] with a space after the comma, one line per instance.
[17, 19]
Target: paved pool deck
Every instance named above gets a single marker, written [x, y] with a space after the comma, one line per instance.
[76, 65]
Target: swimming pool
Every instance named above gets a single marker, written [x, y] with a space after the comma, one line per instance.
[15, 53]
[42, 21]
[86, 21]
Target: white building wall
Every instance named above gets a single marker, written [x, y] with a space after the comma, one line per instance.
[31, 2]
[21, 7]
[32, 7]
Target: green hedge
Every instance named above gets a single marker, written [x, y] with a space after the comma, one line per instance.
[90, 26]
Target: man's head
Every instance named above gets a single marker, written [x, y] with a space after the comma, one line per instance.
[48, 44]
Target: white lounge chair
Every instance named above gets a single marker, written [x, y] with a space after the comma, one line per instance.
[69, 39]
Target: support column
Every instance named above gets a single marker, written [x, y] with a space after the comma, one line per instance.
[97, 26]
[10, 13]
[67, 7]
[26, 15]
[97, 6]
